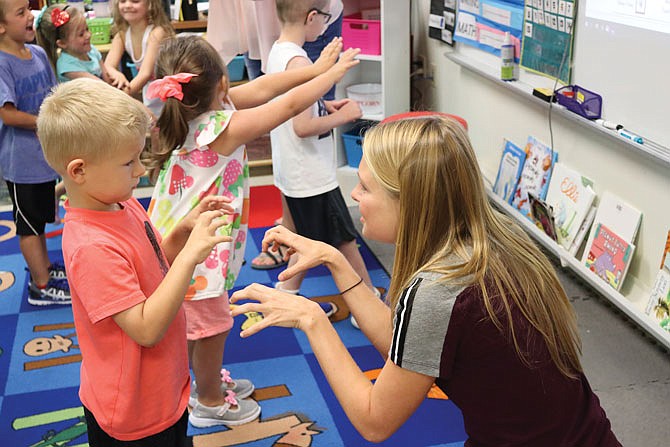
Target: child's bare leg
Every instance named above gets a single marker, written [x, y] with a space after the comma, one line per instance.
[287, 219]
[206, 359]
[295, 282]
[263, 259]
[351, 253]
[34, 251]
[59, 190]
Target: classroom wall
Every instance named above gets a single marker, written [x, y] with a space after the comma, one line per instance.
[493, 112]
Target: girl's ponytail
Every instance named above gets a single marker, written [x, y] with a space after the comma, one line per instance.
[47, 34]
[173, 129]
[179, 56]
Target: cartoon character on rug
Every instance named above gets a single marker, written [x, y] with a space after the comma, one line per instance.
[6, 280]
[41, 346]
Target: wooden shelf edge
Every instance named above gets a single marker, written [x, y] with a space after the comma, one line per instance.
[182, 25]
[260, 163]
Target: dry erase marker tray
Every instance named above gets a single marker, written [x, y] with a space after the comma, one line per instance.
[581, 101]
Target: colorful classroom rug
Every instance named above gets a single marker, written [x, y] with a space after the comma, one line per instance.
[39, 365]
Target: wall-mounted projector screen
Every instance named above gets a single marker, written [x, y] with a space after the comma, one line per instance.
[622, 52]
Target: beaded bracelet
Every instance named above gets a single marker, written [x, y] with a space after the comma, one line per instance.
[345, 291]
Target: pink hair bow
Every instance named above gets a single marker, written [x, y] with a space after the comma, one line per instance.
[169, 86]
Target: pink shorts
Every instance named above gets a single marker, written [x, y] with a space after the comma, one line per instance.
[208, 317]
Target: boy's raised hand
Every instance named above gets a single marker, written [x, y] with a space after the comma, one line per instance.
[328, 56]
[346, 62]
[348, 108]
[204, 236]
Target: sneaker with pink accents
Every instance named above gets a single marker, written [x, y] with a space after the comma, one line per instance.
[241, 387]
[232, 412]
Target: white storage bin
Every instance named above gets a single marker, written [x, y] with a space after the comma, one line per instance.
[368, 96]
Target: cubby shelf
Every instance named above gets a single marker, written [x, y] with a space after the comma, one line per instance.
[391, 69]
[575, 265]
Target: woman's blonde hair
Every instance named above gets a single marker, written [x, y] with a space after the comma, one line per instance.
[187, 54]
[429, 166]
[48, 34]
[155, 15]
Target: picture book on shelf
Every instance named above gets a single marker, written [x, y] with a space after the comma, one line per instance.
[665, 259]
[535, 174]
[570, 195]
[609, 256]
[509, 171]
[617, 215]
[583, 231]
[658, 306]
[543, 215]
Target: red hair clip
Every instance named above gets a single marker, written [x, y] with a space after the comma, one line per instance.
[59, 17]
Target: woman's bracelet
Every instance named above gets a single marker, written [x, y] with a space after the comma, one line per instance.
[360, 280]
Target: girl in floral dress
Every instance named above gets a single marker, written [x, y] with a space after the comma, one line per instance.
[203, 128]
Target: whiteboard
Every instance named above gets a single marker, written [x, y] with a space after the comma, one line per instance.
[629, 66]
[614, 56]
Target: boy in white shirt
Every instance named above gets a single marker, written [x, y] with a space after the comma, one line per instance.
[303, 158]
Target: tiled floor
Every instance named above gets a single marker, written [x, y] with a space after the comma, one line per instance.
[629, 372]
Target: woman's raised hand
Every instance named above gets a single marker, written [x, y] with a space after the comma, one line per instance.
[310, 253]
[278, 308]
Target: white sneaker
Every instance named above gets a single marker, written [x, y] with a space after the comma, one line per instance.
[232, 412]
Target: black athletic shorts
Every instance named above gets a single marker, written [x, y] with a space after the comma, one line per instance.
[173, 436]
[323, 218]
[33, 206]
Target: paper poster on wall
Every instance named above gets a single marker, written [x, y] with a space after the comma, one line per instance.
[442, 20]
[547, 38]
[483, 23]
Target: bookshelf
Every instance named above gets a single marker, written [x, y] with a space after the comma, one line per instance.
[631, 309]
[391, 69]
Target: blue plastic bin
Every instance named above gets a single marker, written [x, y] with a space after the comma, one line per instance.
[353, 143]
[236, 69]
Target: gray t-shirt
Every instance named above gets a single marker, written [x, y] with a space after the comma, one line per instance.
[24, 83]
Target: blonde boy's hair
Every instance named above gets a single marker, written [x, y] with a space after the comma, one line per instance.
[89, 119]
[295, 11]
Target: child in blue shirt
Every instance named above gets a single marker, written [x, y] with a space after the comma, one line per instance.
[63, 33]
[25, 80]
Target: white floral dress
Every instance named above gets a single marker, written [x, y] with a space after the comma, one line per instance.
[195, 171]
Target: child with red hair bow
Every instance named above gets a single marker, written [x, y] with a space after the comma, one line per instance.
[204, 126]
